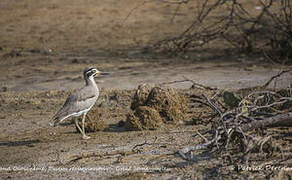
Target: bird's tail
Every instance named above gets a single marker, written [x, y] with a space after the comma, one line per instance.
[55, 121]
[52, 124]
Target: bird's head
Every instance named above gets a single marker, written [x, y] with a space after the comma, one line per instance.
[92, 72]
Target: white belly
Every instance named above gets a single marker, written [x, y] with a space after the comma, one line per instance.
[81, 112]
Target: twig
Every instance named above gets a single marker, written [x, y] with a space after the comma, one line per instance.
[182, 151]
[187, 149]
[175, 13]
[187, 80]
[175, 2]
[142, 144]
[132, 10]
[212, 105]
[216, 109]
[146, 1]
[273, 77]
[197, 84]
[205, 139]
[174, 82]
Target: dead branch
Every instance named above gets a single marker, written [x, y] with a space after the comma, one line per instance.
[188, 80]
[247, 127]
[161, 1]
[182, 151]
[175, 2]
[139, 145]
[234, 124]
[212, 105]
[274, 77]
[174, 82]
[132, 11]
[197, 84]
[284, 119]
[259, 143]
[237, 24]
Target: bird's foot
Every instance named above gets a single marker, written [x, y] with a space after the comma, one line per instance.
[85, 137]
[52, 124]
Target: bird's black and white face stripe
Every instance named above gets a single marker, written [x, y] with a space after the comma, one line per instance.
[90, 72]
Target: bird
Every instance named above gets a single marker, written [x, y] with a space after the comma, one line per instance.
[80, 101]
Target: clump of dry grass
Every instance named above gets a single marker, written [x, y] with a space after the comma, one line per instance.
[141, 96]
[169, 103]
[143, 118]
[154, 106]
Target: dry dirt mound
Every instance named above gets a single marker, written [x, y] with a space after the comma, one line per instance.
[169, 103]
[144, 118]
[141, 96]
[154, 106]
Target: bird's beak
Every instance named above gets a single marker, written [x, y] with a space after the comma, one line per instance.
[101, 73]
[104, 73]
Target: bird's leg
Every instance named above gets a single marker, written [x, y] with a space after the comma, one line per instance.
[83, 130]
[76, 124]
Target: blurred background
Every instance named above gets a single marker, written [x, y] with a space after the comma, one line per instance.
[45, 45]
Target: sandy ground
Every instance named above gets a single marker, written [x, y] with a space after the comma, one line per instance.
[44, 47]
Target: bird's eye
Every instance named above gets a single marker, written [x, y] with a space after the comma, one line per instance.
[89, 73]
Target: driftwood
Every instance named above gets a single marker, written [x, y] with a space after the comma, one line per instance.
[278, 120]
[260, 109]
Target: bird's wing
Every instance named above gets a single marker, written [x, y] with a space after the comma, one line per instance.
[80, 99]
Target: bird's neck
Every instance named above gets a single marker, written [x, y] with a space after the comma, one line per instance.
[90, 82]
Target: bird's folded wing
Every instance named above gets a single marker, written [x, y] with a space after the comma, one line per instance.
[78, 101]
